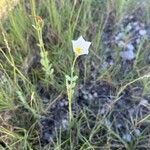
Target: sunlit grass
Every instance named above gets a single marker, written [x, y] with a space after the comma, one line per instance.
[6, 6]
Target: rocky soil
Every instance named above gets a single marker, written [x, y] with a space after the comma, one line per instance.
[98, 98]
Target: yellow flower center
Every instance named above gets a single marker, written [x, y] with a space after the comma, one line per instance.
[78, 51]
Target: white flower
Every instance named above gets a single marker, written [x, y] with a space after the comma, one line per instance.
[80, 46]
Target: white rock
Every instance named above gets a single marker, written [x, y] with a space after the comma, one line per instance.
[108, 123]
[130, 47]
[45, 100]
[135, 23]
[102, 111]
[127, 137]
[111, 63]
[143, 102]
[90, 96]
[127, 55]
[137, 28]
[118, 125]
[129, 27]
[142, 25]
[61, 104]
[137, 132]
[85, 97]
[48, 137]
[65, 123]
[66, 103]
[131, 17]
[117, 38]
[95, 94]
[142, 32]
[138, 41]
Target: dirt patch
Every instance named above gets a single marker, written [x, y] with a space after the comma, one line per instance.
[98, 98]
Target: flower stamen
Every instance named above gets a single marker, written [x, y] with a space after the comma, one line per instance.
[78, 50]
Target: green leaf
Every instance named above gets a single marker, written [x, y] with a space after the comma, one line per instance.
[68, 77]
[75, 78]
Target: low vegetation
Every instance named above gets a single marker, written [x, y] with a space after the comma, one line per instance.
[99, 102]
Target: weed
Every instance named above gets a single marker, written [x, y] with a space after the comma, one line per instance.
[103, 101]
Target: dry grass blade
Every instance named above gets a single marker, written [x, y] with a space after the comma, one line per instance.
[5, 6]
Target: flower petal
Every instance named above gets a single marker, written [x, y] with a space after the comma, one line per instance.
[80, 43]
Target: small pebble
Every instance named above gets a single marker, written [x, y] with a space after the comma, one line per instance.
[119, 125]
[121, 35]
[127, 55]
[127, 137]
[111, 63]
[131, 111]
[85, 97]
[102, 111]
[66, 103]
[148, 58]
[95, 94]
[90, 96]
[126, 17]
[135, 23]
[61, 104]
[2, 76]
[142, 32]
[130, 47]
[84, 92]
[129, 27]
[143, 102]
[108, 123]
[137, 28]
[137, 132]
[131, 17]
[138, 41]
[45, 100]
[65, 123]
[117, 38]
[142, 25]
[53, 106]
[48, 137]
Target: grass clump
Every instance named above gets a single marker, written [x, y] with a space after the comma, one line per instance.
[43, 106]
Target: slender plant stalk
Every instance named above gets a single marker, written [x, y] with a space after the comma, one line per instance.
[70, 90]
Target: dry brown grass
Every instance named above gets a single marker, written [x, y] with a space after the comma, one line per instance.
[6, 6]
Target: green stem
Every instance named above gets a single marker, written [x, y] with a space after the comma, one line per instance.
[38, 26]
[73, 65]
[70, 94]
